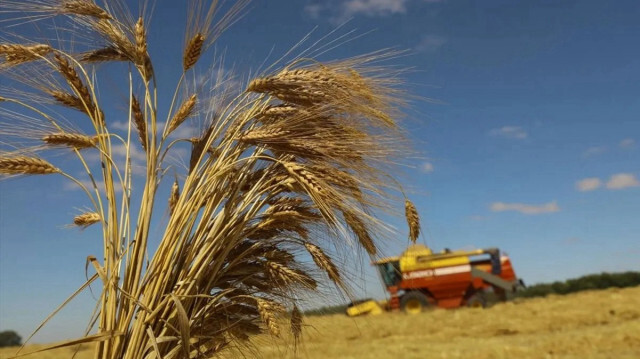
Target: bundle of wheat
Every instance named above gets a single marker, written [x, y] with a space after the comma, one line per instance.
[290, 166]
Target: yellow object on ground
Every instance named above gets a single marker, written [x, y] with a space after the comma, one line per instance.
[370, 307]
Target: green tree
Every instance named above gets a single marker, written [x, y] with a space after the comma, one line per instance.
[9, 338]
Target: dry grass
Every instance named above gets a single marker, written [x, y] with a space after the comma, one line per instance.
[597, 324]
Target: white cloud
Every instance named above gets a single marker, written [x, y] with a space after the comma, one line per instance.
[594, 151]
[514, 132]
[430, 43]
[313, 10]
[588, 184]
[426, 167]
[525, 208]
[373, 7]
[627, 143]
[72, 186]
[344, 9]
[622, 181]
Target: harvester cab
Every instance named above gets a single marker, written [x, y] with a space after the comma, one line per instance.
[420, 278]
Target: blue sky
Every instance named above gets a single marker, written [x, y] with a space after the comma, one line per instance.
[532, 144]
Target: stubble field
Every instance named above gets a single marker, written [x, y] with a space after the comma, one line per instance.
[595, 324]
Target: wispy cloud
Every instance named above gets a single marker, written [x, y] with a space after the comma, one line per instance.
[594, 151]
[341, 10]
[627, 143]
[588, 184]
[313, 10]
[72, 186]
[528, 209]
[374, 7]
[514, 132]
[430, 43]
[622, 181]
[426, 167]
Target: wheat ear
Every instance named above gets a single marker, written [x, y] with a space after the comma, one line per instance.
[193, 51]
[184, 112]
[86, 8]
[268, 311]
[296, 323]
[16, 54]
[26, 165]
[72, 140]
[86, 219]
[174, 196]
[324, 262]
[413, 220]
[139, 122]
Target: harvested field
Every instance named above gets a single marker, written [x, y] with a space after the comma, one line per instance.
[596, 324]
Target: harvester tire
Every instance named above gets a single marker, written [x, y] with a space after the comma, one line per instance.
[477, 301]
[414, 302]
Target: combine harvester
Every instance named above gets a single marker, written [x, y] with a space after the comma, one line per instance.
[419, 279]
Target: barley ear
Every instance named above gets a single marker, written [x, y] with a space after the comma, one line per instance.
[413, 220]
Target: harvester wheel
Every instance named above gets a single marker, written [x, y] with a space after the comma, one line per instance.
[414, 302]
[477, 301]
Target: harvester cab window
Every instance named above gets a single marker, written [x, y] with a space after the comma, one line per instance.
[390, 273]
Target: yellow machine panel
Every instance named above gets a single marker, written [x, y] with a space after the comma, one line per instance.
[369, 307]
[418, 257]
